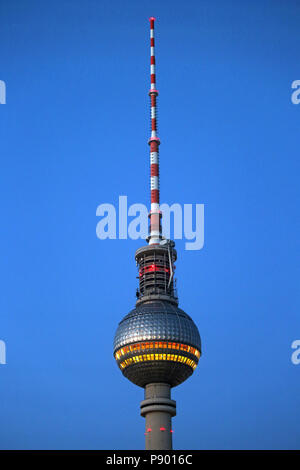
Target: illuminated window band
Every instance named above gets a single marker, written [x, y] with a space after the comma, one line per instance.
[136, 347]
[158, 357]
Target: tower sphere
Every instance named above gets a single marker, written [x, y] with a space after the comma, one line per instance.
[157, 342]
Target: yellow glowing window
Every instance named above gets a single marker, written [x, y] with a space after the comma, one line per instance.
[159, 357]
[156, 345]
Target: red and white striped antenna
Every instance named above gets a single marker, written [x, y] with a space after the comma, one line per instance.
[155, 235]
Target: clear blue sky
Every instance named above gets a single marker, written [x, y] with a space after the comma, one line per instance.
[74, 135]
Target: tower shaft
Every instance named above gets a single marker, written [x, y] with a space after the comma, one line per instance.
[158, 409]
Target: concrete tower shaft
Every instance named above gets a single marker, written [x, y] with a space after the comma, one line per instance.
[158, 409]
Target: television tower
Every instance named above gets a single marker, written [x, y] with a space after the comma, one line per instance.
[157, 345]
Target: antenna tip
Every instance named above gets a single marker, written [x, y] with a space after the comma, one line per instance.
[152, 18]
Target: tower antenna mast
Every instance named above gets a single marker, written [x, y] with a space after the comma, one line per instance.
[154, 142]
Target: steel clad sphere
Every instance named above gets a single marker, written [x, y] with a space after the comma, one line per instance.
[157, 342]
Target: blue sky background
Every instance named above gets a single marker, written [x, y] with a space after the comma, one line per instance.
[74, 135]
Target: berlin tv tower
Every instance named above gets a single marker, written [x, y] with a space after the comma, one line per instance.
[157, 345]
